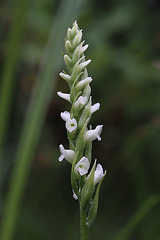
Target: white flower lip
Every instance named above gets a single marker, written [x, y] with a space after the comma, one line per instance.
[98, 174]
[91, 135]
[65, 96]
[71, 125]
[82, 166]
[65, 115]
[67, 154]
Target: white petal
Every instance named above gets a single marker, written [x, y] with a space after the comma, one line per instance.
[82, 166]
[65, 115]
[95, 107]
[65, 96]
[91, 135]
[67, 154]
[71, 125]
[98, 174]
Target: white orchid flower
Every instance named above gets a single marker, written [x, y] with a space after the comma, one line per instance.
[82, 166]
[91, 135]
[67, 154]
[71, 125]
[98, 174]
[65, 115]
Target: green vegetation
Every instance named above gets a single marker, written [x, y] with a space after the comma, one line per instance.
[124, 41]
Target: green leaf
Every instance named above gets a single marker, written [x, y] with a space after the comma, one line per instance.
[94, 206]
[88, 190]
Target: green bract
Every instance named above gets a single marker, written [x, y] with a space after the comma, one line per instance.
[84, 184]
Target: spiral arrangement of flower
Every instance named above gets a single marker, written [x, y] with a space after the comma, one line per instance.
[85, 183]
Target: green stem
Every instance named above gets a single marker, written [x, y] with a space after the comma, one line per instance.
[84, 228]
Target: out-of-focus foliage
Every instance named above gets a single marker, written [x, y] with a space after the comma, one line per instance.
[124, 45]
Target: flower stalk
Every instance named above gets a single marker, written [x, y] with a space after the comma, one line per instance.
[85, 183]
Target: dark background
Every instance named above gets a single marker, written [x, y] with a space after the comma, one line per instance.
[124, 46]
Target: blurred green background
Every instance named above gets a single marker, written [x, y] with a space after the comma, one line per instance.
[124, 46]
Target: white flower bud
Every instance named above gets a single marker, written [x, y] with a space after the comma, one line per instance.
[95, 107]
[84, 48]
[67, 154]
[68, 46]
[65, 76]
[91, 135]
[71, 125]
[82, 166]
[65, 115]
[81, 84]
[69, 34]
[77, 38]
[65, 96]
[75, 29]
[80, 103]
[83, 65]
[68, 61]
[98, 174]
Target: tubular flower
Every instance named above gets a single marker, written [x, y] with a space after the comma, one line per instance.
[76, 121]
[91, 135]
[67, 154]
[98, 174]
[82, 166]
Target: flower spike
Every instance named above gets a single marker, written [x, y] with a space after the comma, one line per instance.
[85, 186]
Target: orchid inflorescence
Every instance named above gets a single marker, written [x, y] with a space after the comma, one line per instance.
[84, 183]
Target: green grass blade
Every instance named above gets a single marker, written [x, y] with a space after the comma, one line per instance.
[36, 114]
[7, 81]
[138, 217]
